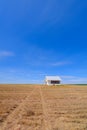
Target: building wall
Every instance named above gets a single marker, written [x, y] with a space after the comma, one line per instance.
[48, 82]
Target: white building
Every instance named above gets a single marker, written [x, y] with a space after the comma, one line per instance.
[52, 80]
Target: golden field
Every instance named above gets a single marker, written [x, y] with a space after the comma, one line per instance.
[40, 107]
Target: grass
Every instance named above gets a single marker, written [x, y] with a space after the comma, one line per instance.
[66, 107]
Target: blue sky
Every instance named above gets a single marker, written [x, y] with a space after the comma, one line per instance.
[39, 38]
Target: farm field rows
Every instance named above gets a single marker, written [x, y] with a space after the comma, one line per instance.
[40, 107]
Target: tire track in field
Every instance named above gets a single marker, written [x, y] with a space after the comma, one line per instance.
[11, 117]
[47, 123]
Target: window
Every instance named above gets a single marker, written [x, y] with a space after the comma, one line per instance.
[55, 82]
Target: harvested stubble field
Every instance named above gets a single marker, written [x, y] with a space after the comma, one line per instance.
[36, 107]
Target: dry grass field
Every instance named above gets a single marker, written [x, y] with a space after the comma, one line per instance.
[36, 107]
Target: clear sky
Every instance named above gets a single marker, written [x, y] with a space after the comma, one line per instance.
[43, 37]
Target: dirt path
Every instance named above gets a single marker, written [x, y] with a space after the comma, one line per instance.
[14, 117]
[31, 102]
[45, 112]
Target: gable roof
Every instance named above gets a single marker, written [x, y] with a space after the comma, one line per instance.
[53, 78]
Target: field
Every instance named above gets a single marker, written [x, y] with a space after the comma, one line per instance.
[40, 107]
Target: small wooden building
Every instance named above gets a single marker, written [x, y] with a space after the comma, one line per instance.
[52, 80]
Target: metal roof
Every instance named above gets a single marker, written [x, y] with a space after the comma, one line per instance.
[53, 78]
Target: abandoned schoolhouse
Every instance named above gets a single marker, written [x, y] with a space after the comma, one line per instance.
[52, 80]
